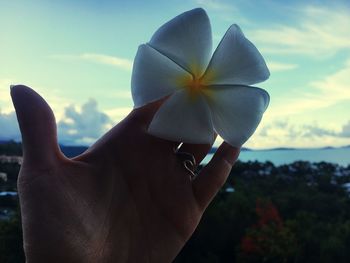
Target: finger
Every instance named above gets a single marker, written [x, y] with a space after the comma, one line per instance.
[144, 115]
[213, 176]
[37, 125]
[133, 127]
[199, 151]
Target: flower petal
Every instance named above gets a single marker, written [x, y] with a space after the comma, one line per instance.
[183, 119]
[154, 76]
[237, 111]
[186, 39]
[236, 61]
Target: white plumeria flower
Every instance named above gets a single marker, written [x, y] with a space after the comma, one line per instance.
[205, 95]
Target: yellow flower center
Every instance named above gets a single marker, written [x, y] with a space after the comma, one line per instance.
[195, 85]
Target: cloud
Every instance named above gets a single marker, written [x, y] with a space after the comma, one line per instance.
[9, 129]
[289, 133]
[214, 5]
[5, 89]
[336, 86]
[78, 125]
[300, 132]
[319, 32]
[345, 131]
[118, 62]
[280, 129]
[117, 114]
[316, 131]
[83, 126]
[5, 98]
[52, 95]
[318, 94]
[122, 94]
[226, 11]
[278, 66]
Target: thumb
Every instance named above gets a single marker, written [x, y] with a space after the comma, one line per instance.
[37, 124]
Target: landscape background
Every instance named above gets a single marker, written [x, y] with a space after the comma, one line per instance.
[296, 212]
[288, 197]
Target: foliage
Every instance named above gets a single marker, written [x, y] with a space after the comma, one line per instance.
[10, 148]
[269, 240]
[291, 213]
[11, 170]
[11, 250]
[303, 216]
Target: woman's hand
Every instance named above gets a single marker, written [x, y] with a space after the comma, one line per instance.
[128, 198]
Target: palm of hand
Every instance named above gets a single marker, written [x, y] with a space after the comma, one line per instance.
[127, 199]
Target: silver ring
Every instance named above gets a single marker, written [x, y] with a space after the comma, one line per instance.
[188, 161]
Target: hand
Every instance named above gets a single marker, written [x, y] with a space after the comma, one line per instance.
[128, 198]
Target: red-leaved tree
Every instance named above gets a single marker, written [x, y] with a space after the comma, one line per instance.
[269, 240]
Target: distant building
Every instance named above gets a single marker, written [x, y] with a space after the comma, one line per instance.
[9, 194]
[6, 214]
[229, 189]
[3, 177]
[11, 159]
[347, 187]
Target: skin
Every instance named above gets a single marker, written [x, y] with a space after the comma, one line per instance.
[128, 198]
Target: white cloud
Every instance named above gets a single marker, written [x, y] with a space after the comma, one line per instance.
[319, 32]
[122, 94]
[117, 114]
[304, 109]
[83, 126]
[77, 126]
[51, 95]
[318, 94]
[9, 129]
[5, 98]
[336, 86]
[223, 10]
[345, 131]
[278, 66]
[294, 131]
[121, 63]
[215, 5]
[288, 133]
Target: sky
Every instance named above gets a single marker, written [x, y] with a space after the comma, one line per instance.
[78, 55]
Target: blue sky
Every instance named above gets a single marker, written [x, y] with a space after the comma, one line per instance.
[78, 55]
